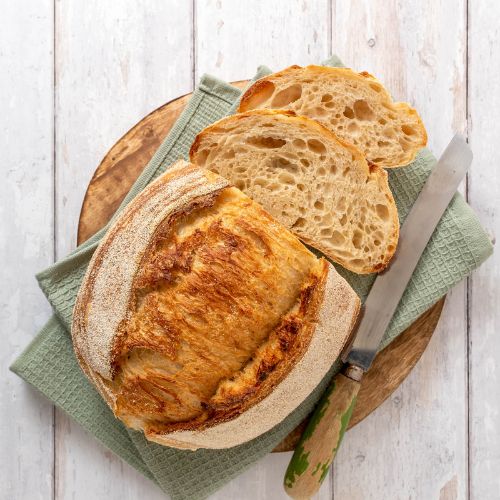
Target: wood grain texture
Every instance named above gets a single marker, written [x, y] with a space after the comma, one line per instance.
[484, 194]
[415, 444]
[26, 239]
[233, 38]
[115, 61]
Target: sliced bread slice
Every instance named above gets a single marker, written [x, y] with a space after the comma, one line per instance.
[319, 187]
[355, 106]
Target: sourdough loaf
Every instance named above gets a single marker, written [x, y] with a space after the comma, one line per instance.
[201, 320]
[315, 184]
[355, 106]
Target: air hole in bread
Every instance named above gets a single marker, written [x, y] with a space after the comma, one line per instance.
[381, 144]
[333, 168]
[305, 162]
[376, 242]
[301, 187]
[362, 110]
[299, 143]
[328, 219]
[404, 144]
[266, 142]
[202, 157]
[260, 182]
[319, 205]
[326, 98]
[382, 121]
[240, 185]
[281, 163]
[389, 132]
[329, 105]
[357, 238]
[228, 154]
[348, 113]
[353, 127]
[266, 90]
[382, 211]
[287, 96]
[300, 222]
[321, 171]
[407, 130]
[240, 169]
[326, 232]
[286, 178]
[319, 111]
[343, 220]
[316, 146]
[337, 238]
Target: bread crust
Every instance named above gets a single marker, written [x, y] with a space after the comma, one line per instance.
[371, 171]
[263, 88]
[108, 304]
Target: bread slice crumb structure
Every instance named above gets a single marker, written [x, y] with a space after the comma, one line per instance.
[354, 106]
[318, 186]
[199, 311]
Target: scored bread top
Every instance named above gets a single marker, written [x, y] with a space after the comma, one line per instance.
[355, 106]
[196, 305]
[315, 184]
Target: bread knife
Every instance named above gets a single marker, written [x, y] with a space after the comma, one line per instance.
[320, 441]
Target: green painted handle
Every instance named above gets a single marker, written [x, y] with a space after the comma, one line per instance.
[321, 439]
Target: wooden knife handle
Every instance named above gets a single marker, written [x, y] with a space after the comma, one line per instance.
[320, 441]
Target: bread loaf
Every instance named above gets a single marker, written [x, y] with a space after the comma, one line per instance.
[201, 320]
[318, 186]
[354, 106]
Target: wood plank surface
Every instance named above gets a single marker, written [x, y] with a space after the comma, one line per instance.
[232, 40]
[26, 239]
[115, 61]
[414, 445]
[484, 195]
[438, 436]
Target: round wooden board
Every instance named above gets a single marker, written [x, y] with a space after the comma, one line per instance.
[121, 167]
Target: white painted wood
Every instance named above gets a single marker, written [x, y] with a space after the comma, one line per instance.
[264, 481]
[484, 193]
[415, 445]
[233, 38]
[26, 239]
[115, 62]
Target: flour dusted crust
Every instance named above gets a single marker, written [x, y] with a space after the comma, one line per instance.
[201, 320]
[354, 106]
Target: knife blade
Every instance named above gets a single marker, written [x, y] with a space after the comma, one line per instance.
[323, 435]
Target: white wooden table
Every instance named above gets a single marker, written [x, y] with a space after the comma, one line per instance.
[76, 74]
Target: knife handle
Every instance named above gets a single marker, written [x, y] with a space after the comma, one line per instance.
[320, 441]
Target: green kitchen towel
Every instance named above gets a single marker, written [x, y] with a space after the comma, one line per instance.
[458, 245]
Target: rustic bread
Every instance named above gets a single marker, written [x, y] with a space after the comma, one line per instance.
[201, 320]
[354, 106]
[318, 186]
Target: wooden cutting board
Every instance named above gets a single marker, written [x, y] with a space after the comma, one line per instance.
[120, 168]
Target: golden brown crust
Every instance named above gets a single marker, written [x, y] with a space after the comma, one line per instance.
[214, 307]
[259, 94]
